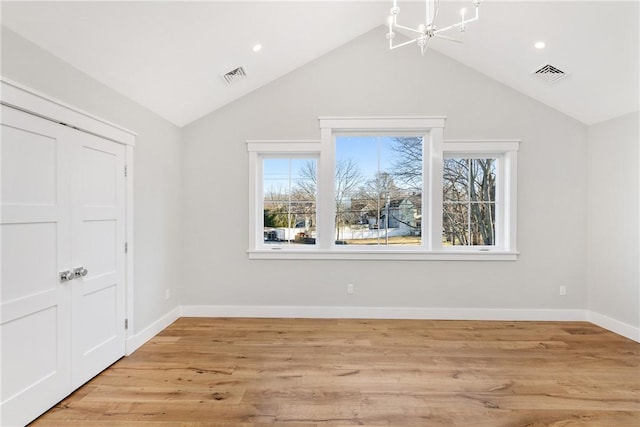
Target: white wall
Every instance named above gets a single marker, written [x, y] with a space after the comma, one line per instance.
[613, 273]
[363, 78]
[158, 177]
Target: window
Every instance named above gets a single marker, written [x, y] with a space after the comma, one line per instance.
[378, 190]
[383, 188]
[469, 201]
[289, 200]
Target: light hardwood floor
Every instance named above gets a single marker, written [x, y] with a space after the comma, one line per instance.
[311, 372]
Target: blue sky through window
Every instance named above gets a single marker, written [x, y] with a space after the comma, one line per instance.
[372, 154]
[282, 175]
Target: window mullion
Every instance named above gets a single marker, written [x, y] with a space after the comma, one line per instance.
[432, 204]
[289, 208]
[469, 184]
[326, 204]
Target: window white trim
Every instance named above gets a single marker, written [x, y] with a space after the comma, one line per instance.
[270, 149]
[429, 128]
[283, 146]
[396, 124]
[506, 151]
[382, 255]
[434, 151]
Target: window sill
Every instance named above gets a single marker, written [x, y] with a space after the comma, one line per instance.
[381, 255]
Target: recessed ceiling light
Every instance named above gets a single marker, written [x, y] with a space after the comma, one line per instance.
[540, 45]
[257, 48]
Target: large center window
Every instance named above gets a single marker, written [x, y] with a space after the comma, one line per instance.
[378, 190]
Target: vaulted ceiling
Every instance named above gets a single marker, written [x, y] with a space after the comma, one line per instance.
[169, 55]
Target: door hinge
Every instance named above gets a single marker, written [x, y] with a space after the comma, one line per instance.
[126, 247]
[126, 324]
[125, 171]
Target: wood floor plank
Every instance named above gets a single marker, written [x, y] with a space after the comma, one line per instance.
[342, 372]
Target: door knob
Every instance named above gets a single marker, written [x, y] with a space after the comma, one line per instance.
[67, 275]
[79, 272]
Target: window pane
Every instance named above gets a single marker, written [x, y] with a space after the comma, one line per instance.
[482, 174]
[455, 224]
[469, 194]
[289, 201]
[456, 180]
[378, 190]
[483, 224]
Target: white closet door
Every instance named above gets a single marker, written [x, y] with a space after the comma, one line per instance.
[63, 210]
[98, 237]
[36, 233]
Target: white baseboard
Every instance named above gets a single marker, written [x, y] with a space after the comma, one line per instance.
[381, 313]
[620, 328]
[135, 341]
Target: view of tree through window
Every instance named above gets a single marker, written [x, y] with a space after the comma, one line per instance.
[289, 197]
[378, 190]
[469, 196]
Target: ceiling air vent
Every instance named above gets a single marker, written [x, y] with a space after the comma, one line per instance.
[233, 76]
[549, 74]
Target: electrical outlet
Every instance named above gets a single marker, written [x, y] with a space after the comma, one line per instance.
[350, 288]
[167, 293]
[563, 290]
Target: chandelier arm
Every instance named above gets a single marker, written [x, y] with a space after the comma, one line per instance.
[435, 13]
[401, 44]
[424, 48]
[402, 27]
[459, 24]
[428, 43]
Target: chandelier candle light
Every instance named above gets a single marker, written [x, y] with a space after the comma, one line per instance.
[427, 31]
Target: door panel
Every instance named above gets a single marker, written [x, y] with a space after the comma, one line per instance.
[99, 306]
[99, 187]
[30, 167]
[98, 246]
[28, 242]
[29, 341]
[35, 306]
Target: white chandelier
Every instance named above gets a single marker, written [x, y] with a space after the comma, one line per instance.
[427, 31]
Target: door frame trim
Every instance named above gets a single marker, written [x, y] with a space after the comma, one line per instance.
[24, 98]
